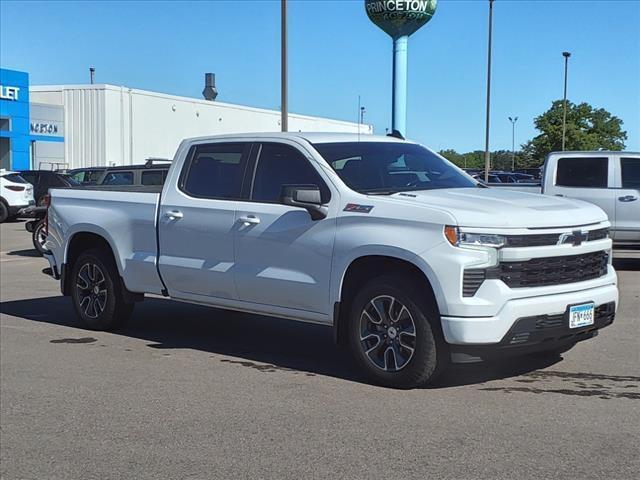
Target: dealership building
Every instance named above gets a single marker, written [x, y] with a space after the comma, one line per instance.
[72, 126]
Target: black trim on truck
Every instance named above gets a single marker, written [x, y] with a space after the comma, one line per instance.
[539, 333]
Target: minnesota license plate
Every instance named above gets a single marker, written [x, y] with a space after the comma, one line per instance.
[581, 315]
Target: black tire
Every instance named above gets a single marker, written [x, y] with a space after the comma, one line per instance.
[4, 212]
[37, 238]
[95, 309]
[389, 361]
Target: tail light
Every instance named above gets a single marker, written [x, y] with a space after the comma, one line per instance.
[14, 188]
[46, 203]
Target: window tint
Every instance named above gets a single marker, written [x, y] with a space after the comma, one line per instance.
[15, 178]
[280, 165]
[118, 178]
[582, 172]
[56, 181]
[153, 177]
[30, 177]
[79, 176]
[630, 172]
[216, 170]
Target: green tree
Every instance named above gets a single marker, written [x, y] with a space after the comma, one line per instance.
[588, 128]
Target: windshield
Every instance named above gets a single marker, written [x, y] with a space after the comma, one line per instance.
[390, 167]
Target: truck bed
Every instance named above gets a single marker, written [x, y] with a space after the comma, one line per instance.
[125, 216]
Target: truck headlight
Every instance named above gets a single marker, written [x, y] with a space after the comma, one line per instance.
[467, 239]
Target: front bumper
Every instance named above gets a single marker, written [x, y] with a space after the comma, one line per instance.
[493, 330]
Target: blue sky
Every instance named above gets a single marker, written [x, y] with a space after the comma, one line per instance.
[336, 54]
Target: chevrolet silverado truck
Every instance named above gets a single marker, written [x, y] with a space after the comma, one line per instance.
[412, 262]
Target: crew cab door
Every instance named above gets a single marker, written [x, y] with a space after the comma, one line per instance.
[197, 219]
[627, 199]
[585, 178]
[283, 256]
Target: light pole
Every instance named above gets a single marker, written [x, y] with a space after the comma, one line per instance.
[513, 142]
[284, 121]
[566, 56]
[487, 154]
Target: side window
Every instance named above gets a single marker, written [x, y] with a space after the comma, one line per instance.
[215, 170]
[280, 165]
[118, 178]
[153, 177]
[30, 178]
[582, 172]
[79, 176]
[56, 181]
[630, 173]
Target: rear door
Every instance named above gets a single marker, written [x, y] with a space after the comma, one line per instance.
[197, 221]
[627, 199]
[283, 256]
[586, 178]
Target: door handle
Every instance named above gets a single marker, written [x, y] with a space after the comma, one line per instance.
[249, 220]
[174, 215]
[628, 198]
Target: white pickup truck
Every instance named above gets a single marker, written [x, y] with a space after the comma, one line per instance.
[411, 261]
[608, 179]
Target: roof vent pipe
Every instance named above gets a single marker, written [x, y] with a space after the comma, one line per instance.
[210, 91]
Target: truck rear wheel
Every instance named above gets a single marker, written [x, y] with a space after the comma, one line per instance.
[394, 334]
[97, 292]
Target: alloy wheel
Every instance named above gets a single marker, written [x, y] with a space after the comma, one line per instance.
[91, 289]
[387, 333]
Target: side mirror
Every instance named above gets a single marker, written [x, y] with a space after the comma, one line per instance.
[307, 197]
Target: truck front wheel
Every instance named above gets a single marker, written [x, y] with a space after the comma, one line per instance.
[97, 292]
[393, 333]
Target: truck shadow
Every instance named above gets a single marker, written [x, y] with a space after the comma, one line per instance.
[257, 342]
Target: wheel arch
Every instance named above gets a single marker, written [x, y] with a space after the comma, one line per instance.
[82, 241]
[367, 266]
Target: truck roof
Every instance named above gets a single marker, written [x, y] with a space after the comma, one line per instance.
[311, 137]
[594, 152]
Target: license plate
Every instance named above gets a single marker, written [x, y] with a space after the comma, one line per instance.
[581, 315]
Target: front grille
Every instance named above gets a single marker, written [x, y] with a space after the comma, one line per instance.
[547, 239]
[540, 272]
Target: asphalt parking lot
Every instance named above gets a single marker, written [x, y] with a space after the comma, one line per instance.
[189, 392]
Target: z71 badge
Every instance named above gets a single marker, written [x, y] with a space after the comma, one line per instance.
[354, 207]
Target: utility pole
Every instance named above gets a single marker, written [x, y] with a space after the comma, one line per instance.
[284, 121]
[487, 154]
[513, 142]
[566, 56]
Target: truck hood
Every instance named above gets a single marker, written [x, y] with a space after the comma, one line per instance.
[498, 208]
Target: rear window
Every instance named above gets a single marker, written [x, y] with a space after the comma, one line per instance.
[583, 172]
[154, 177]
[15, 178]
[630, 173]
[118, 178]
[215, 170]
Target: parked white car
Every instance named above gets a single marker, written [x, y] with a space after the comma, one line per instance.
[411, 261]
[15, 194]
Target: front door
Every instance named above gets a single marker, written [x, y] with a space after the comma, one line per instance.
[283, 257]
[628, 201]
[586, 178]
[196, 222]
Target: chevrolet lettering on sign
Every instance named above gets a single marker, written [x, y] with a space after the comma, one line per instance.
[9, 93]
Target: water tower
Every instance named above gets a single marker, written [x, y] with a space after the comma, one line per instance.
[399, 19]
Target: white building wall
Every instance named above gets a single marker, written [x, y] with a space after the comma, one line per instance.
[108, 125]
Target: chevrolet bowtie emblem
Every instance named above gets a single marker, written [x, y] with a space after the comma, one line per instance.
[575, 238]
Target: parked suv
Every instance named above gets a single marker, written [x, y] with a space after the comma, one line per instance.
[15, 194]
[43, 180]
[150, 173]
